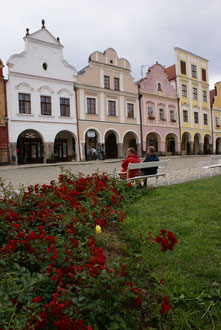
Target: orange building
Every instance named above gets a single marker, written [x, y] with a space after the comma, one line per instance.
[4, 147]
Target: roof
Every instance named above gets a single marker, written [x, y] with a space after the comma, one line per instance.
[171, 72]
[212, 96]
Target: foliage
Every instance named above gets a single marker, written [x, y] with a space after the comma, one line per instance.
[53, 270]
[191, 275]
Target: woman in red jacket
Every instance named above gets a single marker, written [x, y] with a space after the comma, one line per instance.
[131, 157]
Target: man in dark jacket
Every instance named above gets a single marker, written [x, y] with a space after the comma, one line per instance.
[151, 157]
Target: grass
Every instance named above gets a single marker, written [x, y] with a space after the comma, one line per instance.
[192, 271]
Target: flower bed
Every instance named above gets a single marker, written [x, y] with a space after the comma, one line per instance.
[54, 274]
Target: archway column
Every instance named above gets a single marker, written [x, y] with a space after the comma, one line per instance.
[161, 148]
[201, 148]
[177, 148]
[13, 153]
[191, 147]
[48, 150]
[139, 151]
[120, 150]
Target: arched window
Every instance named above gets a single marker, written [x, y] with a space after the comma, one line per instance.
[159, 87]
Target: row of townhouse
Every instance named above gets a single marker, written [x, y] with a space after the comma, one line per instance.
[50, 112]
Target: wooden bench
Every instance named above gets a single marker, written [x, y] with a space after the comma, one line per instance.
[208, 165]
[162, 170]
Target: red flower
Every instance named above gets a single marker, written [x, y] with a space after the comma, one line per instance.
[37, 299]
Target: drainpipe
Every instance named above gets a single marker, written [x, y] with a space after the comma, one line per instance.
[141, 127]
[6, 113]
[178, 103]
[212, 127]
[76, 102]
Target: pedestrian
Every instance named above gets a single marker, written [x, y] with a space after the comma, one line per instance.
[150, 157]
[99, 151]
[94, 153]
[89, 153]
[131, 157]
[102, 151]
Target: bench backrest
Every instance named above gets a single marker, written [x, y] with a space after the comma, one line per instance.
[136, 166]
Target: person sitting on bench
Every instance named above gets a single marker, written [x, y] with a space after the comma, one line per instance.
[151, 157]
[131, 157]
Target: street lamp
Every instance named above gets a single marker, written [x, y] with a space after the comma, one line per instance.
[6, 119]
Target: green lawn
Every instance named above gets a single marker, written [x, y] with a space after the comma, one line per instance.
[192, 271]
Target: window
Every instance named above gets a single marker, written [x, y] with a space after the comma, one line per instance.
[205, 119]
[46, 105]
[162, 114]
[64, 107]
[203, 74]
[195, 93]
[111, 108]
[106, 82]
[172, 117]
[130, 110]
[193, 69]
[91, 105]
[217, 121]
[184, 90]
[196, 117]
[150, 112]
[116, 84]
[159, 87]
[185, 116]
[183, 67]
[24, 103]
[204, 96]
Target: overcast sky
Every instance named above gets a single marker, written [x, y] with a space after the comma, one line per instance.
[142, 31]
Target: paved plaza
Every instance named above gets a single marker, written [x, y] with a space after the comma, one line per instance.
[180, 169]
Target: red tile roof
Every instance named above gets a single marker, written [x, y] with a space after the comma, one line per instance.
[171, 72]
[212, 94]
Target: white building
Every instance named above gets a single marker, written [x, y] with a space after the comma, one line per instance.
[41, 101]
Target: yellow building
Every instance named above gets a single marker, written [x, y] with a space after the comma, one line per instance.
[4, 158]
[215, 103]
[190, 76]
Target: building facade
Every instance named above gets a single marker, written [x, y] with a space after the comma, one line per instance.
[159, 112]
[41, 101]
[215, 104]
[4, 143]
[108, 107]
[190, 76]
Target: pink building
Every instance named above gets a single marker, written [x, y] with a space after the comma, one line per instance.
[108, 107]
[159, 111]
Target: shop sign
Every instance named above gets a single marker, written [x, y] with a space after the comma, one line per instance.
[91, 134]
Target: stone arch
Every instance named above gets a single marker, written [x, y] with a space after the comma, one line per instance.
[30, 147]
[153, 139]
[197, 144]
[65, 147]
[186, 143]
[130, 139]
[218, 145]
[111, 138]
[171, 144]
[91, 139]
[207, 144]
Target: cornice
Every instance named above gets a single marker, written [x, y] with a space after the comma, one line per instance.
[31, 76]
[107, 91]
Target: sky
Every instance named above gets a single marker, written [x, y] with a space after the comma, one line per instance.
[142, 31]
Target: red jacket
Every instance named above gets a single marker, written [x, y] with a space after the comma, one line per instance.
[130, 159]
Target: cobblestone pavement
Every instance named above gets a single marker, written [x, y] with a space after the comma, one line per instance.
[180, 169]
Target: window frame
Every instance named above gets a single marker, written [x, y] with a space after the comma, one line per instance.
[110, 109]
[204, 96]
[46, 103]
[184, 90]
[183, 67]
[205, 119]
[194, 71]
[162, 114]
[196, 117]
[172, 116]
[116, 84]
[106, 82]
[217, 121]
[28, 102]
[66, 107]
[185, 116]
[195, 93]
[150, 111]
[203, 73]
[91, 111]
[130, 112]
